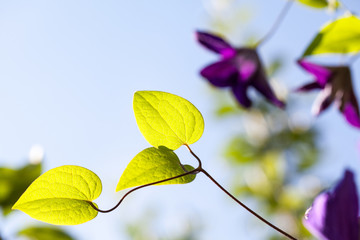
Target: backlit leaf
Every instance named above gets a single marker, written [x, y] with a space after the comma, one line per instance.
[152, 165]
[340, 36]
[61, 196]
[315, 3]
[166, 119]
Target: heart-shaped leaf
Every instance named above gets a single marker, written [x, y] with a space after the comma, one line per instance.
[61, 196]
[152, 165]
[340, 36]
[166, 119]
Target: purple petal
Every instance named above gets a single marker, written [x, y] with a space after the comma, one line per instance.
[247, 69]
[334, 215]
[322, 102]
[247, 62]
[216, 44]
[315, 216]
[220, 74]
[261, 84]
[321, 73]
[240, 93]
[309, 87]
[351, 114]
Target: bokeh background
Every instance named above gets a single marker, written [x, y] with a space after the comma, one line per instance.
[68, 71]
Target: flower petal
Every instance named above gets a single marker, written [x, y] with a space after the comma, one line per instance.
[321, 73]
[215, 43]
[247, 69]
[322, 101]
[261, 84]
[240, 93]
[315, 216]
[342, 210]
[309, 87]
[247, 62]
[220, 74]
[334, 215]
[351, 113]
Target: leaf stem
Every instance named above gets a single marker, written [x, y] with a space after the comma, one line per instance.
[344, 6]
[246, 207]
[236, 200]
[194, 171]
[275, 26]
[195, 156]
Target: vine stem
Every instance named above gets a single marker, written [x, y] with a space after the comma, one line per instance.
[197, 158]
[275, 26]
[246, 207]
[345, 7]
[194, 171]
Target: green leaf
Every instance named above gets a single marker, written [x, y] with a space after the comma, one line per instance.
[315, 3]
[11, 186]
[340, 36]
[152, 165]
[61, 196]
[166, 119]
[44, 233]
[321, 4]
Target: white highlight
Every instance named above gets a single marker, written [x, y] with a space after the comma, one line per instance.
[36, 154]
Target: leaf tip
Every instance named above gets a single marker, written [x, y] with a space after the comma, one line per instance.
[16, 204]
[118, 187]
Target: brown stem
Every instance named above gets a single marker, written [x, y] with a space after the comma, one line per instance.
[197, 158]
[235, 199]
[246, 207]
[194, 171]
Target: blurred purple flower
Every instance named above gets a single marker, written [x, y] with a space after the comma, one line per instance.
[334, 214]
[336, 86]
[238, 68]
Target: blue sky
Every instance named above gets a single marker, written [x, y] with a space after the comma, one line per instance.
[68, 71]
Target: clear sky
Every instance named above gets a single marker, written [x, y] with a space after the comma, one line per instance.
[68, 71]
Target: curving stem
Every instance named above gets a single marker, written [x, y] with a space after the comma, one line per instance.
[194, 171]
[238, 201]
[279, 19]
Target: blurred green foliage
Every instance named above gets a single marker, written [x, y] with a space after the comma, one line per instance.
[44, 233]
[271, 164]
[271, 159]
[14, 182]
[273, 154]
[143, 229]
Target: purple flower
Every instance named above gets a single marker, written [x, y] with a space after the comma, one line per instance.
[334, 214]
[238, 68]
[336, 86]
